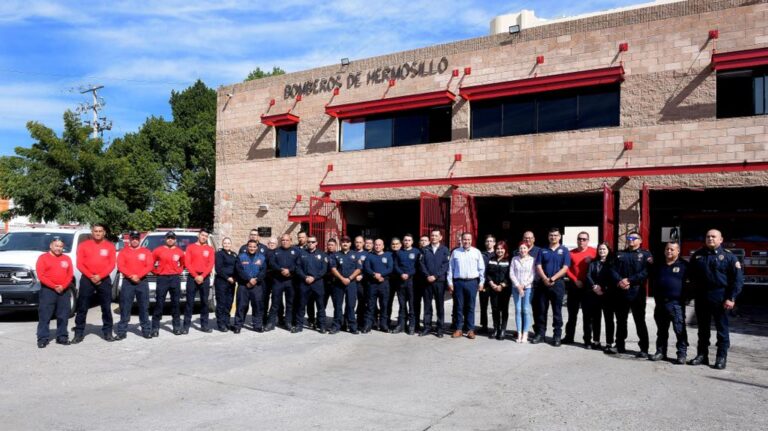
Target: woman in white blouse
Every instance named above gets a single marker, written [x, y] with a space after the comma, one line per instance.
[521, 274]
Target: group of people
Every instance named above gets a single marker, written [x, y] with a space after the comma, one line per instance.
[289, 285]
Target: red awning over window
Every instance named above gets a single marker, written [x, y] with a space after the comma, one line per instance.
[541, 84]
[394, 104]
[277, 120]
[740, 59]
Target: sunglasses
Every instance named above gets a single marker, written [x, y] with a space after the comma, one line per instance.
[633, 238]
[312, 242]
[583, 239]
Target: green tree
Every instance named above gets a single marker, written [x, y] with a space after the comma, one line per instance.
[258, 73]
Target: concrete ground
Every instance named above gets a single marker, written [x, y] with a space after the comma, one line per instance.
[377, 381]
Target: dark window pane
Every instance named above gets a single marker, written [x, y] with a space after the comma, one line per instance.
[440, 124]
[557, 112]
[761, 97]
[599, 107]
[410, 129]
[486, 119]
[519, 117]
[286, 141]
[378, 132]
[735, 96]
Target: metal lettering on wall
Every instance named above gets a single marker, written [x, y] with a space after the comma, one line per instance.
[409, 70]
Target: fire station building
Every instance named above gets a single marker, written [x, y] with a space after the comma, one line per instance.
[650, 118]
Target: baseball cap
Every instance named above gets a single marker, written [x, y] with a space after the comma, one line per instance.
[134, 234]
[170, 235]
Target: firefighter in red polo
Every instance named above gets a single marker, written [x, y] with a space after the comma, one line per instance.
[54, 269]
[199, 259]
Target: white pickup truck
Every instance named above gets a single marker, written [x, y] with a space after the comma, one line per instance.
[19, 250]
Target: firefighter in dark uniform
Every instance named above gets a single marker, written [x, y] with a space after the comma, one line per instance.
[551, 266]
[282, 265]
[224, 283]
[406, 261]
[419, 283]
[485, 294]
[377, 268]
[251, 267]
[253, 235]
[345, 266]
[717, 279]
[361, 251]
[630, 270]
[434, 267]
[310, 270]
[668, 283]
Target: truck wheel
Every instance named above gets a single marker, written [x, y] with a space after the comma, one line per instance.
[73, 302]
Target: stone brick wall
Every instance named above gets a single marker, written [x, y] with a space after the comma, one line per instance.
[667, 110]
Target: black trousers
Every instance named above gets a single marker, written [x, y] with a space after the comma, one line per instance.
[104, 293]
[129, 291]
[499, 306]
[623, 304]
[165, 284]
[418, 297]
[380, 292]
[282, 288]
[434, 291]
[253, 297]
[666, 312]
[609, 315]
[710, 308]
[575, 302]
[310, 293]
[52, 303]
[484, 298]
[544, 297]
[362, 301]
[192, 288]
[405, 301]
[224, 297]
[342, 308]
[592, 311]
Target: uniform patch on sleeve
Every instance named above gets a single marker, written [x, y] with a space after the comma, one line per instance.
[738, 265]
[258, 261]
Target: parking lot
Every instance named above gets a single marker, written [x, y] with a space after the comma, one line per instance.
[377, 381]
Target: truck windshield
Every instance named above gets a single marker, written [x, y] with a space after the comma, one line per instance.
[34, 241]
[182, 241]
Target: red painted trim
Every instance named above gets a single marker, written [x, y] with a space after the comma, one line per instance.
[740, 59]
[402, 103]
[278, 120]
[554, 176]
[586, 78]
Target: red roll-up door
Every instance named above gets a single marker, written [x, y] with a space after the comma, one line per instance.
[433, 214]
[609, 216]
[463, 217]
[645, 216]
[326, 220]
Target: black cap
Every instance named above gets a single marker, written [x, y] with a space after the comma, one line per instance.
[170, 235]
[134, 234]
[346, 238]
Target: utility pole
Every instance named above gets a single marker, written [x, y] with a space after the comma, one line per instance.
[98, 124]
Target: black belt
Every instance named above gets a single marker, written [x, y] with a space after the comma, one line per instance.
[468, 279]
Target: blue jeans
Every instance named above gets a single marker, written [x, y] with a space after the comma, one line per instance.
[523, 311]
[464, 294]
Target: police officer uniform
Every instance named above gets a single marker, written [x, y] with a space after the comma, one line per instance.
[632, 265]
[717, 276]
[600, 274]
[362, 290]
[484, 297]
[225, 270]
[667, 283]
[250, 266]
[383, 265]
[283, 258]
[345, 264]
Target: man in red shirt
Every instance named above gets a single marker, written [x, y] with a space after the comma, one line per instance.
[134, 263]
[169, 262]
[54, 269]
[199, 259]
[581, 256]
[95, 261]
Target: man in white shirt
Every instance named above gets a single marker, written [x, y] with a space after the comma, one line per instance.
[466, 274]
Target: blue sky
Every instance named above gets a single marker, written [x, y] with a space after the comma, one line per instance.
[141, 50]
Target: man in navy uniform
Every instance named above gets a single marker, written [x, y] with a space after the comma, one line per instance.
[377, 268]
[484, 295]
[361, 251]
[345, 266]
[668, 281]
[282, 265]
[406, 260]
[310, 270]
[253, 235]
[630, 270]
[419, 283]
[717, 277]
[551, 266]
[434, 267]
[251, 268]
